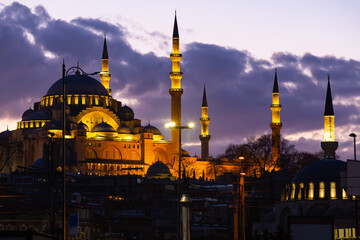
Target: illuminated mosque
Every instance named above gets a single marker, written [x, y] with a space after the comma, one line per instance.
[103, 137]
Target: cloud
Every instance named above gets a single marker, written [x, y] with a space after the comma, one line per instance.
[238, 85]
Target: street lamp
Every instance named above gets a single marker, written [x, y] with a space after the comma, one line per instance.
[64, 78]
[242, 193]
[353, 135]
[172, 125]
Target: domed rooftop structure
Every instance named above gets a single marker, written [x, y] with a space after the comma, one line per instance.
[151, 129]
[38, 115]
[126, 109]
[103, 127]
[78, 84]
[27, 112]
[158, 170]
[327, 170]
[123, 129]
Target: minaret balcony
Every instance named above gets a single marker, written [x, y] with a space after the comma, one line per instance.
[175, 57]
[176, 75]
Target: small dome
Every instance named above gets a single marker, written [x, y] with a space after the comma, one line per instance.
[82, 126]
[39, 115]
[5, 134]
[27, 112]
[123, 129]
[126, 109]
[78, 84]
[185, 153]
[158, 170]
[151, 129]
[103, 127]
[52, 125]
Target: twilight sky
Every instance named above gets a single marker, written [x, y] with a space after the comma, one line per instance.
[232, 48]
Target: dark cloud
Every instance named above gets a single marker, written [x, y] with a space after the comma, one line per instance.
[238, 85]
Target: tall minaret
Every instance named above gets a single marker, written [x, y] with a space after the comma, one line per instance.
[275, 125]
[104, 74]
[176, 90]
[204, 121]
[329, 145]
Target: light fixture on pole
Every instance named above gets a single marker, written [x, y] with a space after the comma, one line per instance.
[353, 135]
[242, 200]
[172, 125]
[64, 78]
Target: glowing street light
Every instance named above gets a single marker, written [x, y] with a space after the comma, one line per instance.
[172, 125]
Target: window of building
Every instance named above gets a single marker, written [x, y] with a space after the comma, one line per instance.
[293, 188]
[344, 195]
[333, 190]
[321, 190]
[301, 188]
[311, 191]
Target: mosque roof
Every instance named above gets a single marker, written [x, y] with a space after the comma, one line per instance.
[327, 170]
[38, 115]
[123, 129]
[176, 31]
[329, 110]
[126, 109]
[78, 84]
[276, 86]
[27, 112]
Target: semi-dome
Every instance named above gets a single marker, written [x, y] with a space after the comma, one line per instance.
[151, 129]
[38, 115]
[103, 127]
[123, 129]
[52, 125]
[126, 109]
[78, 84]
[82, 126]
[158, 170]
[5, 134]
[322, 170]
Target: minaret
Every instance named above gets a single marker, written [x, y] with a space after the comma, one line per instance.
[176, 90]
[329, 145]
[275, 125]
[104, 74]
[204, 121]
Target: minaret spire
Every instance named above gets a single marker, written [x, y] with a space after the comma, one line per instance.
[275, 124]
[175, 90]
[105, 75]
[204, 121]
[329, 145]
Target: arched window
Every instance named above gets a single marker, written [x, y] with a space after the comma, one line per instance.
[321, 190]
[293, 188]
[333, 190]
[301, 187]
[344, 195]
[311, 191]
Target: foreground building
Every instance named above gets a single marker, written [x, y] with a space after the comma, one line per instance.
[103, 137]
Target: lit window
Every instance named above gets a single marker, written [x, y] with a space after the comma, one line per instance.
[83, 100]
[96, 100]
[293, 188]
[321, 190]
[76, 99]
[311, 191]
[344, 195]
[333, 190]
[301, 187]
[69, 99]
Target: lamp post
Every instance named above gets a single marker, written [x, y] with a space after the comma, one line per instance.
[242, 192]
[353, 135]
[64, 81]
[172, 125]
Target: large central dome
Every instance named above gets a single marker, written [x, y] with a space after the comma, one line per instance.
[78, 84]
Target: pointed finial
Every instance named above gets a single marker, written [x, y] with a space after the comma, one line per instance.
[276, 86]
[105, 54]
[204, 101]
[148, 122]
[329, 110]
[176, 31]
[7, 127]
[77, 68]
